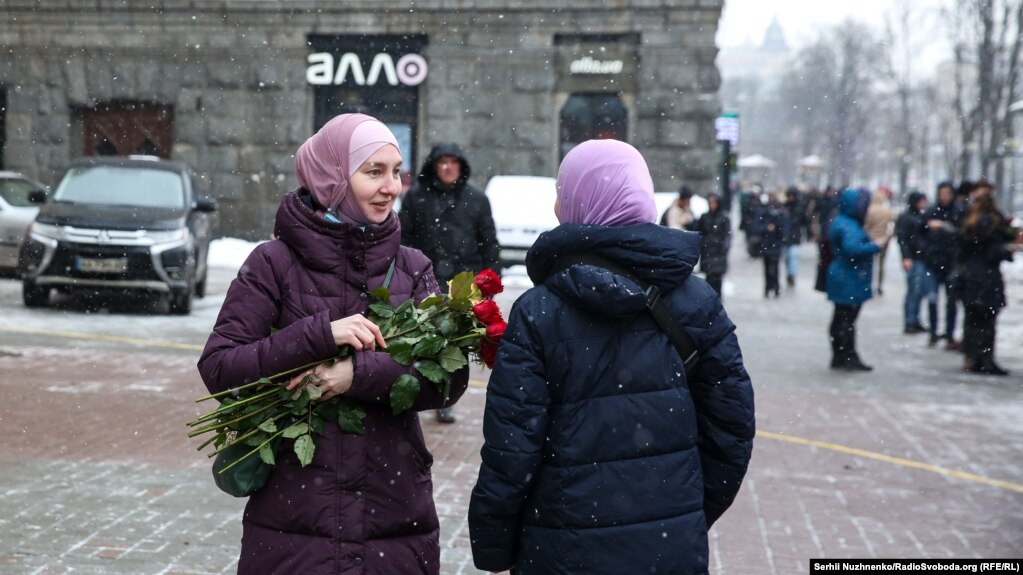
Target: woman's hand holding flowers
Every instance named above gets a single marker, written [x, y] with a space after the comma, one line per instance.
[358, 332]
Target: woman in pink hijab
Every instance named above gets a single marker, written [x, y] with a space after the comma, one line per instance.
[365, 502]
[602, 453]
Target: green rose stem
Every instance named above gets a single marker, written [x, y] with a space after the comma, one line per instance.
[231, 406]
[254, 451]
[219, 424]
[239, 438]
[235, 390]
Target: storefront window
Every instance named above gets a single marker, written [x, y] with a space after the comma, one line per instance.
[592, 116]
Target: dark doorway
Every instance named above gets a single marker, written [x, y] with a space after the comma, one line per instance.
[592, 116]
[395, 105]
[123, 129]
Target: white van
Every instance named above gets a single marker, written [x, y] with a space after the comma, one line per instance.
[523, 208]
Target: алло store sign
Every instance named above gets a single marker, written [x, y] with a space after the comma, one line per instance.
[410, 69]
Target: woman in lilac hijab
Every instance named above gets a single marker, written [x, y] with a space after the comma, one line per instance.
[601, 453]
[365, 502]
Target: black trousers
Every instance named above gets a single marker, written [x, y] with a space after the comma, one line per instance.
[843, 334]
[771, 274]
[979, 334]
[714, 281]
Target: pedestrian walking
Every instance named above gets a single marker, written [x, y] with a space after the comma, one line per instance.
[909, 231]
[450, 221]
[679, 214]
[749, 209]
[365, 503]
[772, 225]
[601, 453]
[940, 227]
[985, 242]
[793, 234]
[824, 210]
[880, 223]
[849, 276]
[716, 239]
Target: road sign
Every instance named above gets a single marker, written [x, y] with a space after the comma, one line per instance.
[727, 127]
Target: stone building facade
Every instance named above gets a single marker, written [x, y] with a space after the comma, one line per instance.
[233, 87]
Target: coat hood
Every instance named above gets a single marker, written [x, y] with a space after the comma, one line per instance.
[658, 255]
[913, 199]
[428, 175]
[854, 203]
[329, 246]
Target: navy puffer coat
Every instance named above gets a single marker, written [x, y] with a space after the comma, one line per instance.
[600, 456]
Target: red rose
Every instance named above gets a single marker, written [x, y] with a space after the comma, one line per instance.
[488, 353]
[487, 312]
[489, 283]
[496, 330]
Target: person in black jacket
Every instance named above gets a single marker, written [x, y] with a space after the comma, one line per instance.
[985, 242]
[772, 224]
[795, 211]
[939, 227]
[716, 231]
[601, 453]
[908, 230]
[449, 220]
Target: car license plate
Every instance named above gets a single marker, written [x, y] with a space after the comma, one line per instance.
[102, 265]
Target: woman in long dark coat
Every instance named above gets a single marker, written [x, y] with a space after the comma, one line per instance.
[601, 454]
[716, 231]
[364, 505]
[984, 243]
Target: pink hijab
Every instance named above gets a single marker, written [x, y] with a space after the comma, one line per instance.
[327, 160]
[606, 183]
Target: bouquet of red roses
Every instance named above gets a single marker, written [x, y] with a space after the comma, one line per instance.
[436, 337]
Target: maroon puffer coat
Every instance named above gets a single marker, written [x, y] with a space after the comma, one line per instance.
[365, 503]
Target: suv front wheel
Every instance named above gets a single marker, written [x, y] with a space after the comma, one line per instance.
[34, 295]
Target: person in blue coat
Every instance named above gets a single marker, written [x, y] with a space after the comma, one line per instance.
[601, 455]
[849, 275]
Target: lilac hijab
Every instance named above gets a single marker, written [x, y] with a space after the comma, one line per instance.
[606, 183]
[326, 161]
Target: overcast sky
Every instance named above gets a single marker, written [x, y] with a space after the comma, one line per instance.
[802, 20]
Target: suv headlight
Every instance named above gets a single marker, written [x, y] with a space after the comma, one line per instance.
[168, 236]
[45, 230]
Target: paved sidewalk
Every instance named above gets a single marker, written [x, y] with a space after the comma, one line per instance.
[916, 459]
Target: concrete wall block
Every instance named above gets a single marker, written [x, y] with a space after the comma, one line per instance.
[534, 135]
[492, 77]
[225, 131]
[221, 159]
[269, 76]
[527, 163]
[77, 87]
[285, 104]
[52, 129]
[647, 133]
[147, 80]
[680, 133]
[442, 104]
[193, 71]
[533, 77]
[708, 78]
[123, 81]
[186, 153]
[189, 127]
[227, 73]
[515, 108]
[251, 159]
[227, 186]
[99, 78]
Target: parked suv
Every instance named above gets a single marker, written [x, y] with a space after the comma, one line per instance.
[120, 224]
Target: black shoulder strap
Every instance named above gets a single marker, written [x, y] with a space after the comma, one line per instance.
[662, 315]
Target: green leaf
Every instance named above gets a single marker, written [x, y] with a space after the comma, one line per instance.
[295, 430]
[268, 426]
[266, 453]
[256, 439]
[461, 285]
[317, 424]
[431, 301]
[460, 304]
[430, 346]
[452, 359]
[405, 310]
[313, 392]
[401, 352]
[432, 370]
[381, 309]
[350, 418]
[403, 393]
[382, 294]
[300, 404]
[304, 449]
